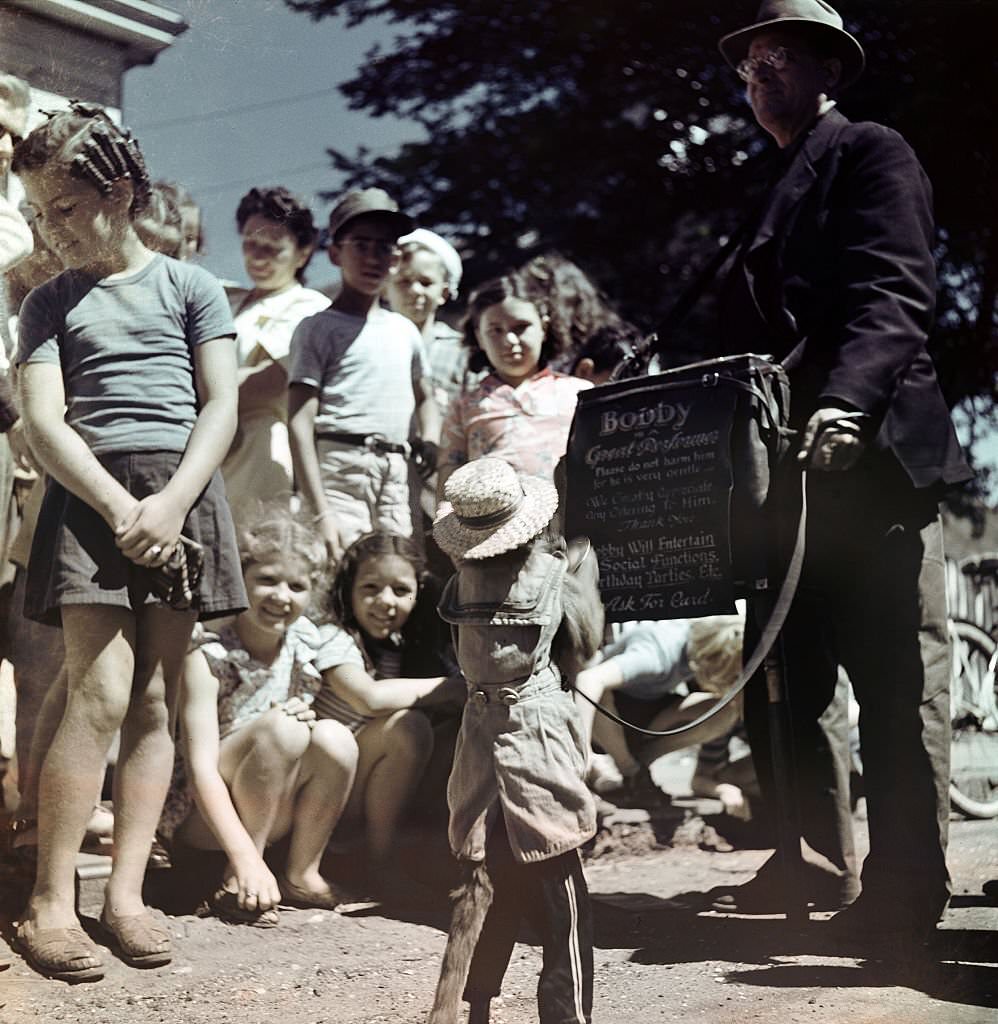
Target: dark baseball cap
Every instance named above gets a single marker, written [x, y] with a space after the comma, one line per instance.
[365, 201]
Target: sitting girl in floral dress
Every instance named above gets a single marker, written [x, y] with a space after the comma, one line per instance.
[260, 765]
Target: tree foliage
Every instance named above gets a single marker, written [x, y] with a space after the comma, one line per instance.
[616, 134]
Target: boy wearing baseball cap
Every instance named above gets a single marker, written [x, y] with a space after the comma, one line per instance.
[358, 375]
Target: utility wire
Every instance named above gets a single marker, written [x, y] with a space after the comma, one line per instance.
[211, 115]
[257, 178]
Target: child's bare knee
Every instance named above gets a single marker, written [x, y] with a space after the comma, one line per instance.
[412, 733]
[336, 743]
[99, 709]
[279, 734]
[148, 713]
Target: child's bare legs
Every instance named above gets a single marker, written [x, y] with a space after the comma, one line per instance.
[612, 739]
[145, 762]
[689, 709]
[36, 652]
[610, 736]
[394, 752]
[598, 683]
[325, 779]
[32, 750]
[30, 764]
[284, 775]
[100, 664]
[593, 682]
[259, 764]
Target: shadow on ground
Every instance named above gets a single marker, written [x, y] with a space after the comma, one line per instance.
[957, 966]
[969, 984]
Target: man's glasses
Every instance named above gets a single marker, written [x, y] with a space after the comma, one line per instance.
[372, 246]
[777, 59]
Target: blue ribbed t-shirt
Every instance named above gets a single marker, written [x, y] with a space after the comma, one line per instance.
[126, 347]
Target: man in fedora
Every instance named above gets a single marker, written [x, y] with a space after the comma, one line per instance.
[836, 279]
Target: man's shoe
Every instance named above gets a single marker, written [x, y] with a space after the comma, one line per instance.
[639, 790]
[767, 892]
[883, 929]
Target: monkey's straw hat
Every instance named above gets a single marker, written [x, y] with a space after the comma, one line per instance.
[489, 509]
[810, 17]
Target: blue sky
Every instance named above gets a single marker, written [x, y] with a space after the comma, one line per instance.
[188, 110]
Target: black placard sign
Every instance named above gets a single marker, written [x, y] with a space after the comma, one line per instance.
[649, 482]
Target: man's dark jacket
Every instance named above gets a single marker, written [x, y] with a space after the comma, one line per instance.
[838, 280]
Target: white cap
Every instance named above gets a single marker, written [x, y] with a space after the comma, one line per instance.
[449, 256]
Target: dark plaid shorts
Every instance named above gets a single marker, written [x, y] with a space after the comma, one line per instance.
[74, 558]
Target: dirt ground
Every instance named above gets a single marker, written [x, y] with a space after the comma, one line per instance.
[653, 962]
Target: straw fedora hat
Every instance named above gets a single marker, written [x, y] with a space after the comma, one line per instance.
[489, 509]
[814, 17]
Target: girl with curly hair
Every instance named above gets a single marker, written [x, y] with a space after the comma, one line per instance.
[257, 766]
[126, 372]
[522, 410]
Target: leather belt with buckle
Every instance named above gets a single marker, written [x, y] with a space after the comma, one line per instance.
[372, 442]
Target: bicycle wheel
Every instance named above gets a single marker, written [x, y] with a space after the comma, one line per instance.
[974, 713]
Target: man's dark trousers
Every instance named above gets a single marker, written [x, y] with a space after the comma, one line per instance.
[872, 597]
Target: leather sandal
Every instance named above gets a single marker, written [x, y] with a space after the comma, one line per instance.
[66, 954]
[224, 904]
[141, 940]
[295, 896]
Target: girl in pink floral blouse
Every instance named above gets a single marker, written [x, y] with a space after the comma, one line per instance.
[522, 410]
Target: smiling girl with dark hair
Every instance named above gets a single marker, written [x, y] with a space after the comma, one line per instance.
[278, 240]
[384, 660]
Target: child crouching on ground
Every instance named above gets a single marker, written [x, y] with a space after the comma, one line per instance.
[384, 662]
[524, 611]
[256, 765]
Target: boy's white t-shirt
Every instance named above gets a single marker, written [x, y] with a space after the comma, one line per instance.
[364, 368]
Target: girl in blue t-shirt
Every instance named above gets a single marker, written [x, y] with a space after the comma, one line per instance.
[128, 388]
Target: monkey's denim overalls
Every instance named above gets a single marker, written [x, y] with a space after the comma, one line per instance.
[520, 750]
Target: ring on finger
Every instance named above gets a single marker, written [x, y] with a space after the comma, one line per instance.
[155, 551]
